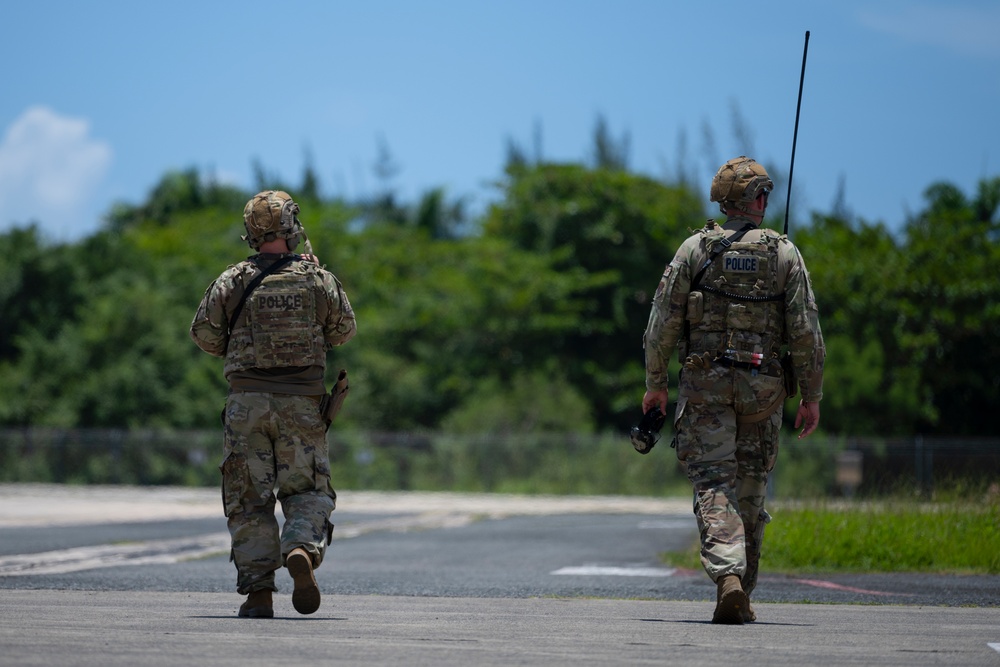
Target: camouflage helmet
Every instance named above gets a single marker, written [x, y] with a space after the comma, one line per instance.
[738, 183]
[271, 215]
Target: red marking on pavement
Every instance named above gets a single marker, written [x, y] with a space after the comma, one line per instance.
[819, 583]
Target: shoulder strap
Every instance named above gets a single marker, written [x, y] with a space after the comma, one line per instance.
[724, 244]
[253, 284]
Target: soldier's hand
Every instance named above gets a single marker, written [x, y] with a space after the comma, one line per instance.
[655, 398]
[808, 415]
[311, 258]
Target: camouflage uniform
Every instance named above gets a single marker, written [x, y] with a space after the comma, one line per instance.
[752, 300]
[274, 436]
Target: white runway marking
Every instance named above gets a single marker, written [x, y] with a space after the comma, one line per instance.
[995, 646]
[154, 552]
[168, 552]
[612, 571]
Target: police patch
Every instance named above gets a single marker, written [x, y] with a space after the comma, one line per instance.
[739, 263]
[278, 301]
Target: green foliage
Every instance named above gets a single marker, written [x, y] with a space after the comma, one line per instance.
[530, 403]
[608, 153]
[91, 456]
[955, 537]
[891, 537]
[526, 322]
[910, 322]
[114, 353]
[805, 468]
[534, 463]
[475, 309]
[549, 463]
[39, 285]
[177, 192]
[618, 229]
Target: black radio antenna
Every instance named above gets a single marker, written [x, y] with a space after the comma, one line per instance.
[795, 134]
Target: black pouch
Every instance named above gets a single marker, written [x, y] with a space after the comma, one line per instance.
[788, 375]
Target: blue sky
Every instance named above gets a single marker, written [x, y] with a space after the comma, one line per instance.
[102, 97]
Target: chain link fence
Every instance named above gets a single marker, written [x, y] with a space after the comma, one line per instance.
[532, 463]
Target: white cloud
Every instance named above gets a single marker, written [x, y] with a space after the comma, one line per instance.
[970, 30]
[50, 167]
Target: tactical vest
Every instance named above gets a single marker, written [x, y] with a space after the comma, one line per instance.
[736, 313]
[280, 328]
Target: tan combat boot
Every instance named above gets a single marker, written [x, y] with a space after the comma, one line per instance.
[749, 615]
[732, 602]
[258, 605]
[305, 597]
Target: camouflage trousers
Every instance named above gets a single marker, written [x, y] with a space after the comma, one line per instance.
[728, 463]
[274, 449]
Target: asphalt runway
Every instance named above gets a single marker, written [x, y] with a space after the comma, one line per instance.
[124, 576]
[87, 629]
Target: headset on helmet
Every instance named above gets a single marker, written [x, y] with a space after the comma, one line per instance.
[271, 215]
[738, 183]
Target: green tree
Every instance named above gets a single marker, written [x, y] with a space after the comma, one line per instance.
[530, 318]
[868, 386]
[609, 153]
[177, 192]
[910, 320]
[619, 230]
[40, 284]
[441, 316]
[951, 322]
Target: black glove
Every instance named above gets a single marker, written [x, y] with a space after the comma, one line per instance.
[645, 434]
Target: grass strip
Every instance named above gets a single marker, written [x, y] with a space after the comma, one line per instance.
[892, 536]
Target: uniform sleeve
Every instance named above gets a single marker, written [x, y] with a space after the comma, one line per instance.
[210, 327]
[805, 338]
[339, 325]
[666, 318]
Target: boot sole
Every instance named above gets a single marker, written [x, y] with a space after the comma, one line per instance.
[305, 597]
[731, 608]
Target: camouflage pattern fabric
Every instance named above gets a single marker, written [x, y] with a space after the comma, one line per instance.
[668, 319]
[274, 438]
[728, 463]
[274, 449]
[333, 315]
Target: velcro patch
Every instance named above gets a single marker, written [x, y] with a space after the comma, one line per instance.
[739, 263]
[275, 301]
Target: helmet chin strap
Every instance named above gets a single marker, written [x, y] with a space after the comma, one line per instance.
[307, 247]
[293, 235]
